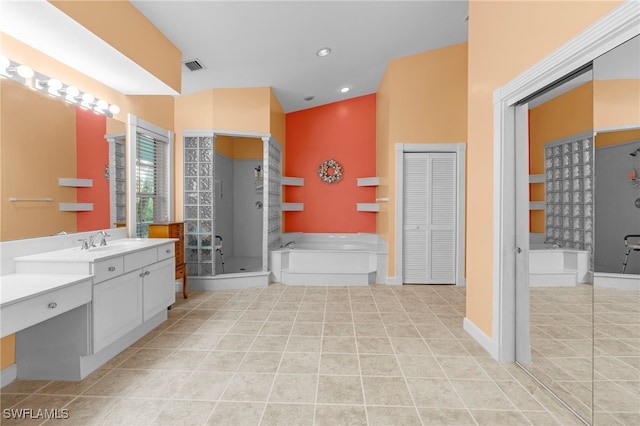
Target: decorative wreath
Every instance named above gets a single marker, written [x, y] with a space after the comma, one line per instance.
[323, 171]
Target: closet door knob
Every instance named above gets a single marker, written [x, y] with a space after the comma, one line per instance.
[53, 305]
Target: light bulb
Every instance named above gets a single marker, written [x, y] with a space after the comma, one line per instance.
[114, 109]
[54, 85]
[102, 104]
[25, 71]
[88, 98]
[72, 93]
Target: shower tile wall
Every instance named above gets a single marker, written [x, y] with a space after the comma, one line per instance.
[198, 204]
[569, 194]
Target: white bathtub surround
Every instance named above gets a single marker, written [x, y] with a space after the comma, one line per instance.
[330, 259]
[557, 267]
[627, 282]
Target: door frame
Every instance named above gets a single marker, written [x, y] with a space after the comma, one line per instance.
[460, 150]
[618, 26]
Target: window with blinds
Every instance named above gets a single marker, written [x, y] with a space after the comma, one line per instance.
[152, 182]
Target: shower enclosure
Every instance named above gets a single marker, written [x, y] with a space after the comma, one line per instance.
[231, 207]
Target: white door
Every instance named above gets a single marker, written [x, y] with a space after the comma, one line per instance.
[430, 217]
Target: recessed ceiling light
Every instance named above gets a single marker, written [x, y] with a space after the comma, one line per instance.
[324, 51]
[345, 89]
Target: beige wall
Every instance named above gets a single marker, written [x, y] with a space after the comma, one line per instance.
[505, 39]
[616, 103]
[121, 25]
[422, 99]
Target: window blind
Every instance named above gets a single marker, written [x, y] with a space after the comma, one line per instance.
[152, 184]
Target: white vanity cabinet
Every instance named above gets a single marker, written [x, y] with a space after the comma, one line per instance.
[132, 285]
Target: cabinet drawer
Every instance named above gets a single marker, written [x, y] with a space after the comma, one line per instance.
[107, 269]
[26, 313]
[166, 251]
[139, 259]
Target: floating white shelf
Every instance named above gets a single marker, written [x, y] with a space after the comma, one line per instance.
[78, 183]
[536, 178]
[537, 205]
[292, 181]
[368, 207]
[368, 181]
[76, 207]
[292, 207]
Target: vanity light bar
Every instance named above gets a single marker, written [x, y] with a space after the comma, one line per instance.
[54, 87]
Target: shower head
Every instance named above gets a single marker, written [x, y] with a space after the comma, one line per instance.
[634, 153]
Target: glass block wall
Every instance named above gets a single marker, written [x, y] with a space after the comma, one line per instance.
[274, 176]
[569, 194]
[198, 205]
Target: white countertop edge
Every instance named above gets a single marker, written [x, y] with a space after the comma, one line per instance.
[88, 255]
[17, 287]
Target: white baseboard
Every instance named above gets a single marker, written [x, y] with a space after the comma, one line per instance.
[627, 282]
[8, 375]
[394, 281]
[485, 341]
[230, 281]
[462, 282]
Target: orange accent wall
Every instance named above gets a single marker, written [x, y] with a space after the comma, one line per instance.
[614, 138]
[92, 156]
[505, 38]
[422, 99]
[343, 131]
[568, 114]
[125, 28]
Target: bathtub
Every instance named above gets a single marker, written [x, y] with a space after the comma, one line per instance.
[557, 267]
[329, 259]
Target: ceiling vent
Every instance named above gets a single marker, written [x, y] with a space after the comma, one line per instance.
[194, 65]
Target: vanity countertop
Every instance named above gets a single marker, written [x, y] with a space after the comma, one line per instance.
[112, 249]
[17, 287]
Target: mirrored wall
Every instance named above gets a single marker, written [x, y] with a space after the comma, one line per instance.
[584, 303]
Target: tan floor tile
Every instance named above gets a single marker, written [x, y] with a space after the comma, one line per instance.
[310, 316]
[300, 363]
[370, 330]
[86, 411]
[482, 394]
[237, 414]
[235, 342]
[251, 328]
[8, 400]
[446, 347]
[167, 340]
[120, 358]
[184, 413]
[434, 393]
[276, 328]
[216, 326]
[30, 406]
[541, 418]
[341, 364]
[201, 341]
[338, 329]
[287, 414]
[445, 417]
[420, 366]
[25, 386]
[159, 384]
[204, 386]
[294, 388]
[248, 387]
[221, 361]
[409, 346]
[379, 365]
[134, 412]
[340, 415]
[339, 344]
[307, 329]
[366, 318]
[260, 362]
[499, 418]
[185, 326]
[374, 345]
[282, 316]
[386, 391]
[269, 343]
[185, 360]
[402, 330]
[304, 344]
[461, 367]
[146, 358]
[344, 317]
[73, 387]
[116, 383]
[393, 416]
[339, 390]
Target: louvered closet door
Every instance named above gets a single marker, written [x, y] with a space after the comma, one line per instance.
[429, 239]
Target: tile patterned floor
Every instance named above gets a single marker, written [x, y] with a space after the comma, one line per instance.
[377, 355]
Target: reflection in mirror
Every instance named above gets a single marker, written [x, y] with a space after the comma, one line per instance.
[43, 140]
[238, 206]
[561, 242]
[616, 393]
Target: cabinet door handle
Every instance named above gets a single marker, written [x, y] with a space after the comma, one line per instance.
[168, 251]
[112, 268]
[53, 305]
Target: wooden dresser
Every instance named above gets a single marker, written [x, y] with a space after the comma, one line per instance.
[173, 230]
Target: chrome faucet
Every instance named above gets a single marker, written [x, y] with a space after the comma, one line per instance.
[91, 240]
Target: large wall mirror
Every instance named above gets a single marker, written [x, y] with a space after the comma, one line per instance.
[45, 139]
[584, 279]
